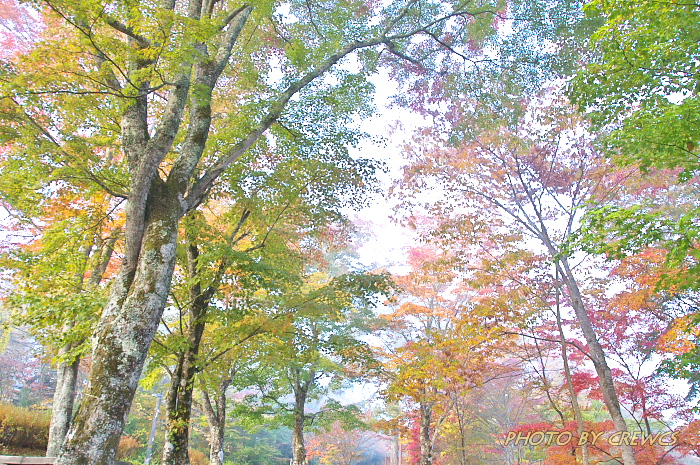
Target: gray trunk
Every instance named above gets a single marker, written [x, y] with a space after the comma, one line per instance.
[569, 380]
[298, 446]
[62, 408]
[597, 353]
[395, 450]
[216, 417]
[216, 445]
[301, 391]
[125, 332]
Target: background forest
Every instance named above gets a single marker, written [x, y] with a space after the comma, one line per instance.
[350, 232]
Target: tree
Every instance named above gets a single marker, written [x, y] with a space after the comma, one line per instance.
[532, 183]
[227, 257]
[139, 84]
[340, 444]
[56, 277]
[18, 28]
[436, 345]
[642, 84]
[316, 349]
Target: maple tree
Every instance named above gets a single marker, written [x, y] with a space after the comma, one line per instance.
[533, 183]
[435, 346]
[278, 232]
[340, 444]
[640, 86]
[317, 348]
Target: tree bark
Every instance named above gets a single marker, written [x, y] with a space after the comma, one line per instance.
[216, 417]
[426, 444]
[140, 291]
[298, 445]
[580, 427]
[63, 399]
[597, 354]
[179, 399]
[216, 445]
[301, 391]
[125, 332]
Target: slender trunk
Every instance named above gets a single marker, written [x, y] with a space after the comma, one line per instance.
[179, 401]
[462, 437]
[125, 331]
[426, 445]
[569, 381]
[301, 390]
[154, 429]
[597, 354]
[216, 418]
[298, 446]
[395, 449]
[63, 399]
[179, 410]
[177, 418]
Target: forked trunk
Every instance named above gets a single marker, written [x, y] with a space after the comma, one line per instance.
[216, 418]
[125, 331]
[580, 427]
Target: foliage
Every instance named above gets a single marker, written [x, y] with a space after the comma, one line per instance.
[642, 92]
[22, 427]
[642, 84]
[198, 457]
[339, 445]
[317, 346]
[128, 446]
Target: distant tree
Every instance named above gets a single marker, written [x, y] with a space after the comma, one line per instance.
[517, 181]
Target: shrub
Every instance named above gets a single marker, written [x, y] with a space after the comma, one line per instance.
[198, 458]
[128, 447]
[22, 427]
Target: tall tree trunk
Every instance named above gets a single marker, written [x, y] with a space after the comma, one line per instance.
[463, 458]
[298, 445]
[216, 445]
[580, 427]
[395, 449]
[63, 399]
[179, 399]
[216, 418]
[597, 354]
[125, 331]
[426, 444]
[179, 403]
[301, 391]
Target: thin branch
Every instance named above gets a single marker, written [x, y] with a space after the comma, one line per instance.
[573, 343]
